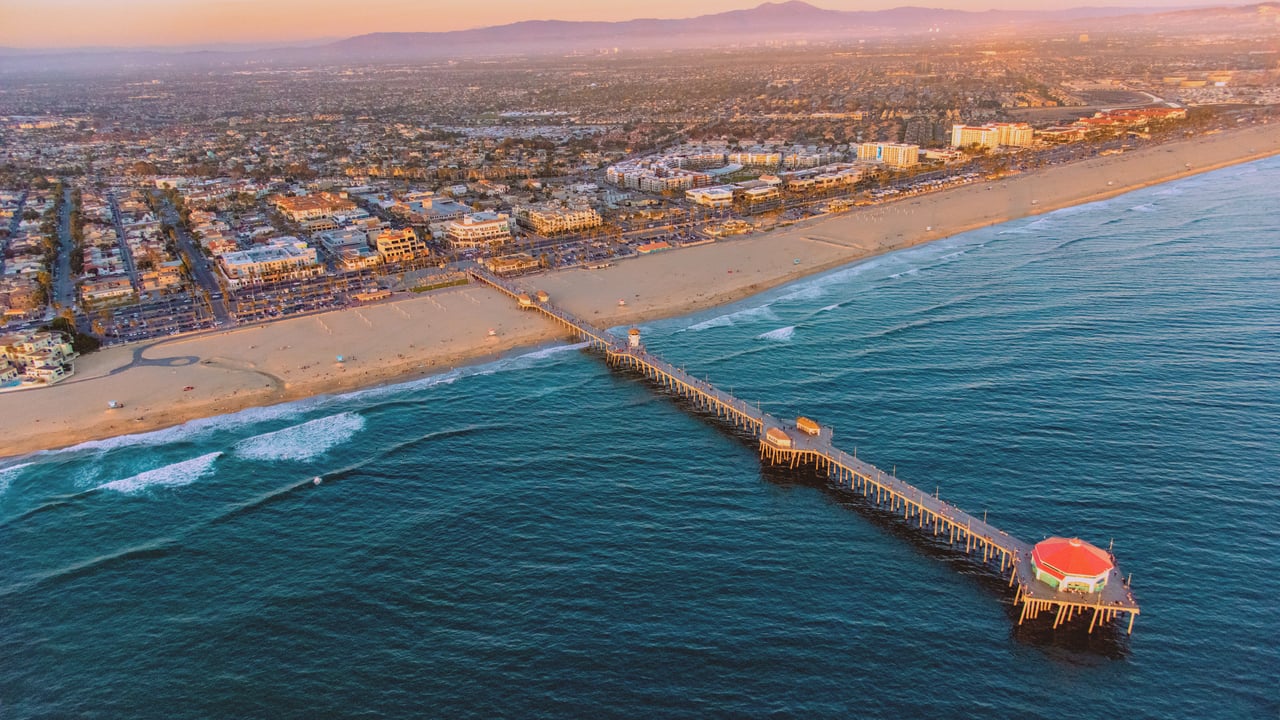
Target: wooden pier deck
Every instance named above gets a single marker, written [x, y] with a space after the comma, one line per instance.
[784, 443]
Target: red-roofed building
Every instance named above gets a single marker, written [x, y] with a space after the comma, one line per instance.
[653, 247]
[1071, 564]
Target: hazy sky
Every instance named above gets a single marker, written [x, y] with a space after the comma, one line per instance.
[73, 23]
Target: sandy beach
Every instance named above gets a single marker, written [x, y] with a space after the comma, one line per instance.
[415, 335]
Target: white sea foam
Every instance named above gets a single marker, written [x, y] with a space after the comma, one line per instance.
[715, 322]
[529, 358]
[733, 318]
[375, 393]
[194, 428]
[1077, 209]
[805, 291]
[450, 376]
[829, 308]
[7, 475]
[782, 334]
[175, 475]
[841, 276]
[1145, 208]
[302, 442]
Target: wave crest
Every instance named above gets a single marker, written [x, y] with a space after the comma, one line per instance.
[302, 442]
[175, 475]
[7, 475]
[782, 334]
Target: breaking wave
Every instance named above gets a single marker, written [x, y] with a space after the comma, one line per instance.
[302, 442]
[175, 475]
[782, 334]
[9, 473]
[733, 318]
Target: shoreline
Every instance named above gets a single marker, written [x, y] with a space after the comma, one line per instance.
[418, 336]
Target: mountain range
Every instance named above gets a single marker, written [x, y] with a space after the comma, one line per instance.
[780, 21]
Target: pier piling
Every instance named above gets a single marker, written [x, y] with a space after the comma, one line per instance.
[786, 444]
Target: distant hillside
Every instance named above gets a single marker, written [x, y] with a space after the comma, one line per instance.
[785, 21]
[780, 21]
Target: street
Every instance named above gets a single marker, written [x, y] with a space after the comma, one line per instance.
[198, 264]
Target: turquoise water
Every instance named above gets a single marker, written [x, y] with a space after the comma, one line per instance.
[541, 537]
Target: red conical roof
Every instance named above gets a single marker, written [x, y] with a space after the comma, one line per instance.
[1062, 556]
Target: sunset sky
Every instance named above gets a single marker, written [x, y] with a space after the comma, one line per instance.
[123, 23]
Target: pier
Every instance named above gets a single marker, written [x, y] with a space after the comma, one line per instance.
[804, 443]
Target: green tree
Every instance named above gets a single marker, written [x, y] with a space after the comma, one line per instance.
[80, 342]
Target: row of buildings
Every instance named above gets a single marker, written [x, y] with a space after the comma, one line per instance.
[116, 267]
[992, 135]
[693, 167]
[39, 357]
[335, 224]
[22, 260]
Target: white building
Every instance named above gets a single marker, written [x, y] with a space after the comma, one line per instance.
[992, 136]
[716, 197]
[553, 219]
[336, 241]
[482, 229]
[893, 154]
[756, 158]
[285, 258]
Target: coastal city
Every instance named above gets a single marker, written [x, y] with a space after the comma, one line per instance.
[759, 358]
[155, 204]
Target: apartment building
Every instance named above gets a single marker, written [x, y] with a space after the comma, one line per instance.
[557, 219]
[992, 136]
[892, 154]
[282, 259]
[483, 229]
[398, 245]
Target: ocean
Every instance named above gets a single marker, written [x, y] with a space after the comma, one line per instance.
[539, 536]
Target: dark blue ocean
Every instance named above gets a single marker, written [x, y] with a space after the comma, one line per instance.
[541, 537]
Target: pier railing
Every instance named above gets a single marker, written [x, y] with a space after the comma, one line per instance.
[783, 443]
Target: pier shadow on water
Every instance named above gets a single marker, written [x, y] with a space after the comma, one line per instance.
[1106, 641]
[1072, 637]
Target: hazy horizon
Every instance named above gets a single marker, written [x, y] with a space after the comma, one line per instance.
[72, 24]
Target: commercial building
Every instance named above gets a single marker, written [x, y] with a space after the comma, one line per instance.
[398, 245]
[653, 247]
[312, 207]
[756, 158]
[557, 219]
[821, 179]
[656, 175]
[165, 277]
[282, 259]
[715, 197]
[478, 230]
[892, 154]
[1071, 564]
[763, 197]
[337, 241]
[358, 258]
[511, 264]
[992, 136]
[108, 290]
[423, 209]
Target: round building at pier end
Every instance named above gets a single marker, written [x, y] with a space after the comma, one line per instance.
[1071, 564]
